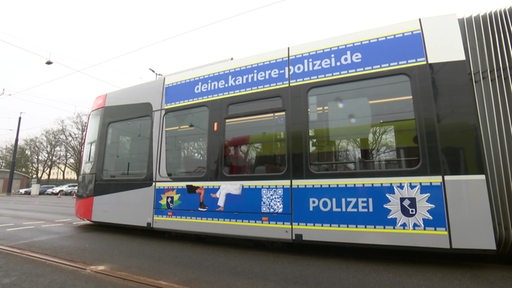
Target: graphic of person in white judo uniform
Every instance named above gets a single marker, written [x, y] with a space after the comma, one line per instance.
[235, 189]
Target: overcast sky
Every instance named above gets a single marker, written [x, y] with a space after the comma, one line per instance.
[98, 46]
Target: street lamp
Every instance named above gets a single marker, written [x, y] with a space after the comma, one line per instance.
[49, 61]
[156, 73]
[13, 161]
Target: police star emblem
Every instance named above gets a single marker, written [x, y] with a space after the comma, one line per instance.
[408, 206]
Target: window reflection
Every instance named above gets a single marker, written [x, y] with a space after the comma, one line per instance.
[186, 142]
[363, 125]
[255, 144]
[127, 148]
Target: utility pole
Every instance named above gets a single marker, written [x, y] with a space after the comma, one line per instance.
[13, 161]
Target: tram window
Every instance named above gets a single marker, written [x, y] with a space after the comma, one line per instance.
[363, 125]
[255, 144]
[186, 134]
[127, 148]
[89, 153]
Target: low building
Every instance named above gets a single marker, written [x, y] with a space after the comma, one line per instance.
[20, 180]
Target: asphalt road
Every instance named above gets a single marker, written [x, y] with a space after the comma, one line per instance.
[199, 261]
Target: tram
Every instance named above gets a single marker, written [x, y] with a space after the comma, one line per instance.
[397, 136]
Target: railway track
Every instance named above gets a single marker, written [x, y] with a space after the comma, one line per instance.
[97, 269]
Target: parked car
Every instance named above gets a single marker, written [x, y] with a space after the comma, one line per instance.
[24, 191]
[63, 189]
[72, 189]
[44, 188]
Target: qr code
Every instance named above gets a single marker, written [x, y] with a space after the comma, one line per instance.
[272, 200]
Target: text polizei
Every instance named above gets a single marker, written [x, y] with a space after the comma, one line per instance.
[341, 204]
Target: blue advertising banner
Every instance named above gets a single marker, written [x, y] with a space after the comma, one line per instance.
[388, 52]
[259, 76]
[224, 202]
[414, 205]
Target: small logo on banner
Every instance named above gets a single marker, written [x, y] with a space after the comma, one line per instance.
[408, 206]
[169, 199]
[169, 203]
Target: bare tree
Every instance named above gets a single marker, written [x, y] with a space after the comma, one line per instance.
[23, 164]
[73, 132]
[51, 143]
[381, 142]
[56, 148]
[35, 156]
[23, 160]
[5, 157]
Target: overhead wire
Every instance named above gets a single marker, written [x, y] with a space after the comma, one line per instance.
[130, 51]
[54, 79]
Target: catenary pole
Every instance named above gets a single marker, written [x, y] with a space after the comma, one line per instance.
[13, 161]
